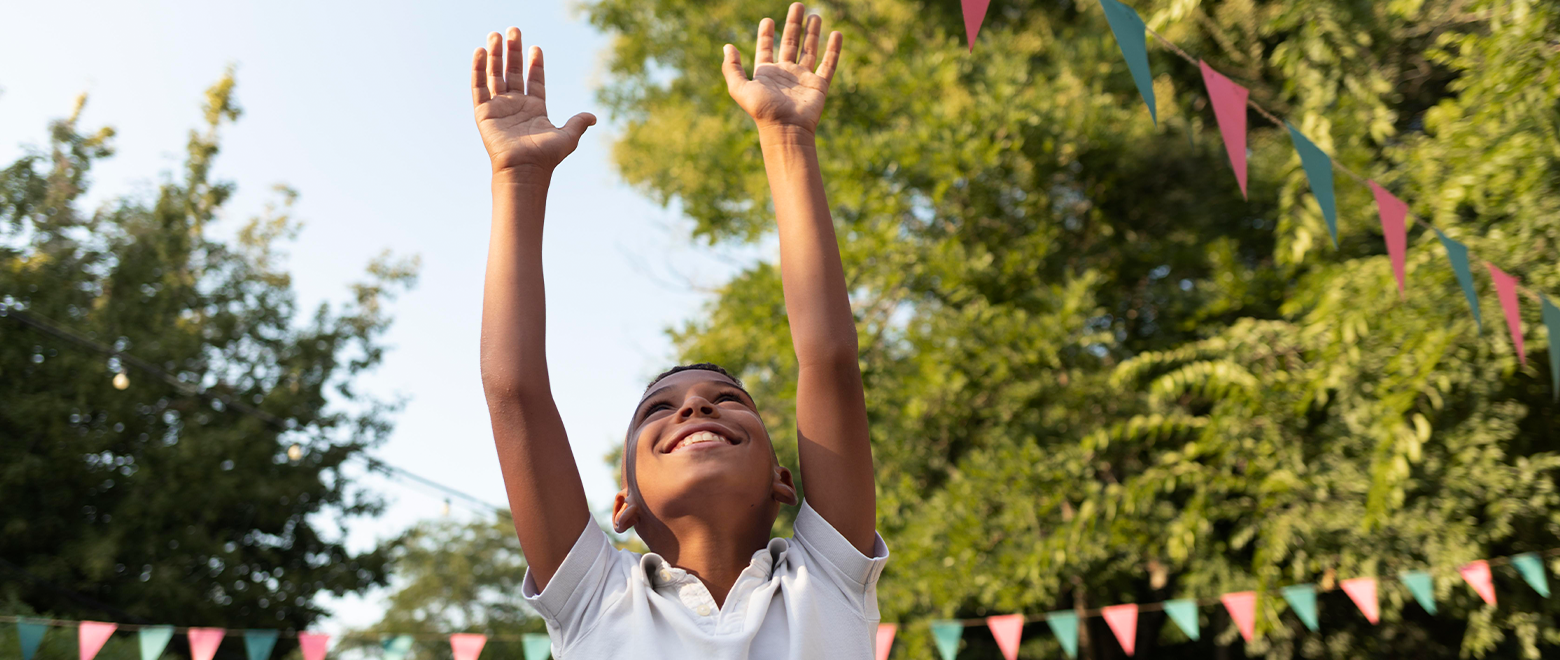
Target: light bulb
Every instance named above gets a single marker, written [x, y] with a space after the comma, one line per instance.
[294, 452]
[121, 381]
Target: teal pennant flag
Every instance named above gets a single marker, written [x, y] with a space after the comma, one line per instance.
[1064, 625]
[1552, 321]
[1130, 35]
[1184, 613]
[1457, 253]
[1318, 171]
[395, 648]
[30, 635]
[1532, 570]
[1302, 599]
[947, 634]
[258, 643]
[153, 640]
[537, 646]
[1420, 584]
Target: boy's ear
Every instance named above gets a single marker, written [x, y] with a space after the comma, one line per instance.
[783, 490]
[625, 512]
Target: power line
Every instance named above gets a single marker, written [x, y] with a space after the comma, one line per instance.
[49, 327]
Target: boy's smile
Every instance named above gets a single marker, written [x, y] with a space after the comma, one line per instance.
[699, 437]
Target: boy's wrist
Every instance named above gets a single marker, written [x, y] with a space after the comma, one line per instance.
[785, 135]
[522, 177]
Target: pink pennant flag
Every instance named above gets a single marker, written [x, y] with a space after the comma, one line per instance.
[91, 636]
[1393, 211]
[1243, 609]
[204, 642]
[467, 646]
[313, 645]
[1007, 628]
[1123, 621]
[1506, 289]
[1229, 108]
[885, 639]
[1362, 590]
[1477, 573]
[974, 15]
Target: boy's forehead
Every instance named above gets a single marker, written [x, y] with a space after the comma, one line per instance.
[685, 379]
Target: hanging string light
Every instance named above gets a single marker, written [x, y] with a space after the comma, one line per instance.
[121, 381]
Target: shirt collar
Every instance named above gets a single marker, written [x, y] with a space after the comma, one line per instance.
[765, 563]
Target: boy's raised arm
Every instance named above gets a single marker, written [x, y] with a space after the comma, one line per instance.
[785, 97]
[543, 482]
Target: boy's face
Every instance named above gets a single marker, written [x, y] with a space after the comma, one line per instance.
[698, 441]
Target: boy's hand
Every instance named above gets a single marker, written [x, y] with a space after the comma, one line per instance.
[785, 90]
[512, 111]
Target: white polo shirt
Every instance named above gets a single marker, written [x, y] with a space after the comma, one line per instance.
[811, 596]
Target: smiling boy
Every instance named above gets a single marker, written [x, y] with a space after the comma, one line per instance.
[702, 485]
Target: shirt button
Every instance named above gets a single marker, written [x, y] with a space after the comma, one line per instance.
[704, 610]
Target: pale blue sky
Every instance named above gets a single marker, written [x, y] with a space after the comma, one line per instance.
[364, 108]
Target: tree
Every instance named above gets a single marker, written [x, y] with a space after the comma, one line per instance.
[135, 499]
[1097, 375]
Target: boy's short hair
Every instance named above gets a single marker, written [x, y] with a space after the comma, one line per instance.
[701, 366]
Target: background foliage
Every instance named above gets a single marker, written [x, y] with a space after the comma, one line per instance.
[148, 504]
[1096, 374]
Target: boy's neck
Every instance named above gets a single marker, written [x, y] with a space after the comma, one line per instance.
[713, 551]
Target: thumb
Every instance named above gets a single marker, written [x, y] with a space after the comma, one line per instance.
[577, 124]
[732, 68]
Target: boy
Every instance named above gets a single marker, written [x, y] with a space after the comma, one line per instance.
[702, 485]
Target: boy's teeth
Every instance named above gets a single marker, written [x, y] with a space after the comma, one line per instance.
[701, 436]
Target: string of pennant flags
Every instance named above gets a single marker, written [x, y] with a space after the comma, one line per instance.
[1007, 629]
[1230, 100]
[258, 644]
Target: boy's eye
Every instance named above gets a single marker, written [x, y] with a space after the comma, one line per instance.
[728, 397]
[657, 407]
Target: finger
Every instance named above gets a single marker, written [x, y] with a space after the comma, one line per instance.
[577, 124]
[831, 57]
[732, 68]
[512, 60]
[479, 90]
[764, 50]
[536, 79]
[495, 64]
[791, 39]
[810, 45]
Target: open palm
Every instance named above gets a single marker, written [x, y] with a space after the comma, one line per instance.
[511, 109]
[785, 88]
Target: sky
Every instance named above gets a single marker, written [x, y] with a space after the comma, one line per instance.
[365, 110]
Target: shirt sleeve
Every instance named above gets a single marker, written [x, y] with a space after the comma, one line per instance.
[841, 563]
[581, 587]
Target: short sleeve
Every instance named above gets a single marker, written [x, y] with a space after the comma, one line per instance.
[578, 589]
[856, 574]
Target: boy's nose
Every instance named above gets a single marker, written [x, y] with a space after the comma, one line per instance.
[697, 404]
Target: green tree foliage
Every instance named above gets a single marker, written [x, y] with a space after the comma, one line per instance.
[1096, 374]
[156, 502]
[457, 577]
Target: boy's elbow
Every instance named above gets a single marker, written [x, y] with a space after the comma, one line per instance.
[509, 383]
[831, 357]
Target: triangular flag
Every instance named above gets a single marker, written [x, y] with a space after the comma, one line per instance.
[1122, 620]
[1130, 36]
[1477, 574]
[1007, 629]
[1302, 599]
[204, 642]
[1229, 108]
[1420, 584]
[1393, 211]
[153, 640]
[1362, 590]
[947, 634]
[91, 635]
[30, 635]
[1184, 613]
[1064, 625]
[1552, 321]
[974, 15]
[467, 646]
[258, 644]
[313, 645]
[1318, 171]
[395, 648]
[1506, 290]
[1532, 570]
[885, 639]
[1457, 253]
[1242, 606]
[537, 646]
